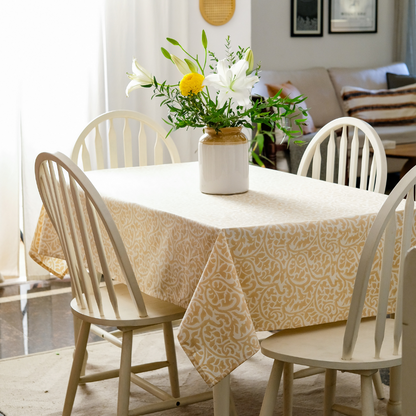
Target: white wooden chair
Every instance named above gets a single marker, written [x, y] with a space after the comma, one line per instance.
[373, 165]
[361, 346]
[409, 335]
[98, 145]
[80, 226]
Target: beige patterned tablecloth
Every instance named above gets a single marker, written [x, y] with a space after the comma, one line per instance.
[282, 255]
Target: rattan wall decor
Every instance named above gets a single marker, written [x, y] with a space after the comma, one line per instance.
[217, 12]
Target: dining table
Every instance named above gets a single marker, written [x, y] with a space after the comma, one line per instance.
[282, 255]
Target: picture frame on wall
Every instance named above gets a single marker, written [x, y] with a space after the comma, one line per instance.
[352, 16]
[306, 18]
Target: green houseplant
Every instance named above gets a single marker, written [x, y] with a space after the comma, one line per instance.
[192, 103]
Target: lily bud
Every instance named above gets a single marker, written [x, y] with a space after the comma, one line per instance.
[249, 57]
[181, 65]
[204, 40]
[192, 66]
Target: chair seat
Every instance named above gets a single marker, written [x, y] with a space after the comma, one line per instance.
[305, 346]
[158, 311]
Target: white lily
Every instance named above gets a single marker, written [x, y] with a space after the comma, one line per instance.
[139, 77]
[232, 83]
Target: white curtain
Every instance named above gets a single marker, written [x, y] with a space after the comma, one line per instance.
[70, 63]
[405, 33]
[138, 30]
[9, 145]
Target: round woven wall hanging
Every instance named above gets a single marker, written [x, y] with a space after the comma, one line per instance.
[217, 12]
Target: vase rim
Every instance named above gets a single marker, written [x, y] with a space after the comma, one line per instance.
[227, 130]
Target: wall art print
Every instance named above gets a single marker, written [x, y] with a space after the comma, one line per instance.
[306, 18]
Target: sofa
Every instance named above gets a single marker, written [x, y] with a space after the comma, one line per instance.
[323, 87]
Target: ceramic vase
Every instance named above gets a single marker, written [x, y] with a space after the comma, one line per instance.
[223, 161]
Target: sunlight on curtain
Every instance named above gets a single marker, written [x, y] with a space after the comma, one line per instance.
[9, 154]
[64, 63]
[60, 86]
[138, 30]
[76, 55]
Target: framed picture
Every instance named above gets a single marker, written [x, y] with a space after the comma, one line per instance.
[306, 18]
[352, 16]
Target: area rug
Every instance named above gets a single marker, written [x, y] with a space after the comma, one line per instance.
[35, 385]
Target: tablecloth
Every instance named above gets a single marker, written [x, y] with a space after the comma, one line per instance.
[282, 255]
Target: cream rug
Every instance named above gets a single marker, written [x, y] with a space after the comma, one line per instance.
[36, 384]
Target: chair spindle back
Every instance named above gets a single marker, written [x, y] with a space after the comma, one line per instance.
[80, 216]
[112, 142]
[373, 166]
[385, 225]
[409, 334]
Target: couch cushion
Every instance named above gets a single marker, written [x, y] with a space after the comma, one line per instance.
[297, 151]
[369, 78]
[394, 107]
[400, 134]
[289, 90]
[314, 83]
[397, 81]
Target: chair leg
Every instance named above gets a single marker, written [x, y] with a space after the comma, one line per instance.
[367, 400]
[378, 385]
[394, 405]
[76, 369]
[272, 388]
[221, 393]
[233, 409]
[287, 389]
[171, 357]
[124, 377]
[330, 388]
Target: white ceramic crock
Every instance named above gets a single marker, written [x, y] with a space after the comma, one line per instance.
[223, 161]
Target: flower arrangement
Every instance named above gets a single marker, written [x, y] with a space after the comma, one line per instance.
[191, 103]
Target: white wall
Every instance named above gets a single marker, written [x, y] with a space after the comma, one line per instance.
[239, 28]
[273, 46]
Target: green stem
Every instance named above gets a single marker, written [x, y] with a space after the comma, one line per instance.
[195, 59]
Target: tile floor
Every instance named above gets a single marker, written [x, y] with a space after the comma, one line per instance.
[35, 316]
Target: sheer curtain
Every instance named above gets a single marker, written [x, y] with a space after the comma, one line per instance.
[69, 62]
[138, 30]
[60, 84]
[9, 146]
[405, 33]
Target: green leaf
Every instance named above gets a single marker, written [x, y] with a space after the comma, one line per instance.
[270, 134]
[173, 41]
[204, 40]
[260, 141]
[166, 54]
[257, 159]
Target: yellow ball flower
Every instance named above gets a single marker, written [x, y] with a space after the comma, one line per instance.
[191, 84]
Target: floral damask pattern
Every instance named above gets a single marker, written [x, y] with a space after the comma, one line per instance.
[282, 255]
